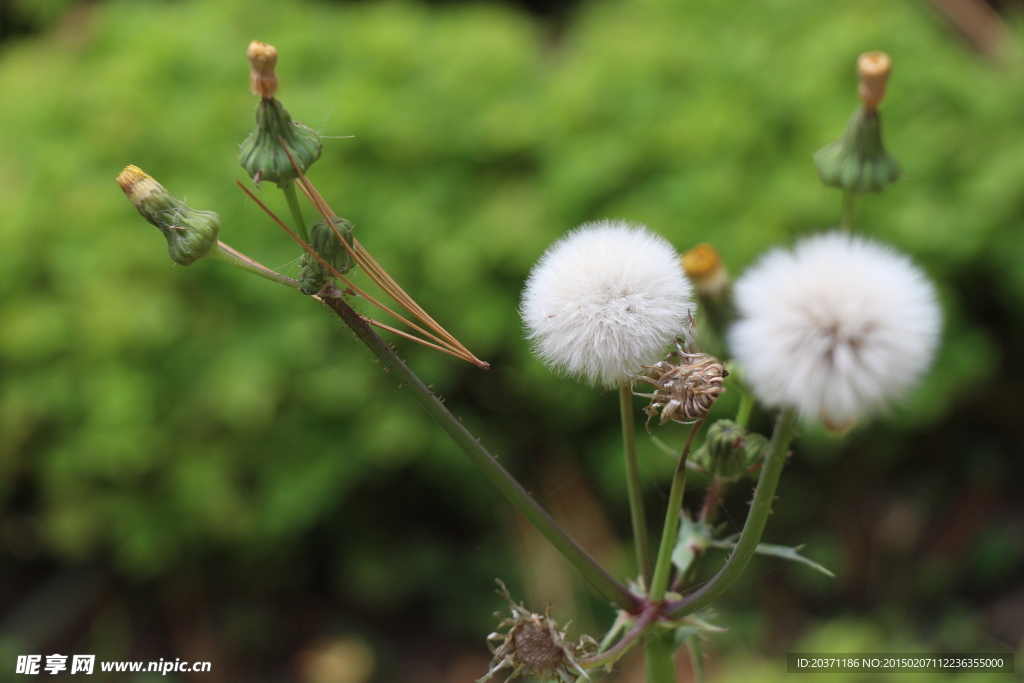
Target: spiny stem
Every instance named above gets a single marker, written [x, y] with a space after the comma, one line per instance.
[636, 500]
[293, 206]
[663, 566]
[593, 572]
[223, 252]
[760, 508]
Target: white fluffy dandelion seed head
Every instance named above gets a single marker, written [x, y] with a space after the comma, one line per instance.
[604, 300]
[837, 328]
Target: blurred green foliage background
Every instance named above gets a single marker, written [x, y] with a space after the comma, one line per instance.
[197, 463]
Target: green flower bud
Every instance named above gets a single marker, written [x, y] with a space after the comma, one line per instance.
[190, 233]
[263, 157]
[325, 242]
[729, 450]
[858, 162]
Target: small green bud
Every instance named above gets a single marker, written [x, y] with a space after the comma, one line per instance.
[729, 450]
[263, 157]
[190, 233]
[325, 242]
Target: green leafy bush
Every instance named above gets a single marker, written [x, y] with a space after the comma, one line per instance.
[160, 414]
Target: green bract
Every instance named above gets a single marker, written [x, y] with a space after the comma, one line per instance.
[858, 162]
[729, 450]
[263, 157]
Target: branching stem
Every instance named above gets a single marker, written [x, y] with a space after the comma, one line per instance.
[760, 508]
[593, 572]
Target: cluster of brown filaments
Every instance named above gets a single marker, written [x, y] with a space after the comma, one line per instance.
[534, 646]
[686, 385]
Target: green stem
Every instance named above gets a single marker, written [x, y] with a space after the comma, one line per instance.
[696, 658]
[849, 210]
[293, 206]
[760, 508]
[746, 406]
[636, 498]
[593, 572]
[660, 653]
[663, 566]
[223, 252]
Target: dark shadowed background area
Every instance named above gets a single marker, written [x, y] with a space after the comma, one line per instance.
[198, 464]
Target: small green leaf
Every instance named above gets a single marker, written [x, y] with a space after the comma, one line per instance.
[694, 538]
[785, 552]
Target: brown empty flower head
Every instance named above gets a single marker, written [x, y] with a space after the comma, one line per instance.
[535, 646]
[262, 59]
[873, 68]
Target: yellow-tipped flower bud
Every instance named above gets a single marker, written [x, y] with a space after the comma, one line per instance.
[261, 154]
[324, 241]
[706, 270]
[704, 267]
[858, 161]
[190, 233]
[262, 60]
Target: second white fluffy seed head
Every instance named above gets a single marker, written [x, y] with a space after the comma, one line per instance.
[604, 300]
[837, 328]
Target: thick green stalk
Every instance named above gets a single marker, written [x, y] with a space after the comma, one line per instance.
[223, 252]
[663, 566]
[760, 508]
[636, 497]
[660, 655]
[293, 206]
[594, 573]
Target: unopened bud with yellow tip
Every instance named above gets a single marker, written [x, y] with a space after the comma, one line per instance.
[858, 162]
[190, 233]
[705, 268]
[261, 154]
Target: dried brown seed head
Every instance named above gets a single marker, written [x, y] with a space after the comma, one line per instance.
[686, 386]
[534, 646]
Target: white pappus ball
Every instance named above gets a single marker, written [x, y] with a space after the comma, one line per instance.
[837, 328]
[604, 300]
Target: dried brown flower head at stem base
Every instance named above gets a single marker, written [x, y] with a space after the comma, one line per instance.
[534, 646]
[686, 385]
